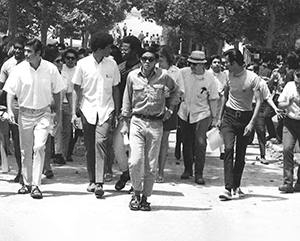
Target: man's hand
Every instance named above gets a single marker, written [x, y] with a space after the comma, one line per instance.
[248, 129]
[167, 114]
[11, 117]
[124, 129]
[56, 120]
[215, 122]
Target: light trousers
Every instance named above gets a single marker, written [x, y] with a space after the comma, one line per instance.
[34, 130]
[145, 139]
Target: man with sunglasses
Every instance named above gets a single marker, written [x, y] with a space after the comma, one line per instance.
[70, 59]
[6, 69]
[289, 100]
[196, 113]
[144, 103]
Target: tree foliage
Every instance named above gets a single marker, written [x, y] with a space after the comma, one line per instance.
[264, 23]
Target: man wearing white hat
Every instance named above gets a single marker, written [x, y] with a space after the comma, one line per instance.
[197, 112]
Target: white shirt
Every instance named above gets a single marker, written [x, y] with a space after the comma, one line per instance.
[176, 75]
[34, 88]
[7, 68]
[289, 90]
[199, 89]
[96, 81]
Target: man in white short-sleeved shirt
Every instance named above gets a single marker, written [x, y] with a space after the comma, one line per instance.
[196, 113]
[95, 83]
[289, 100]
[34, 82]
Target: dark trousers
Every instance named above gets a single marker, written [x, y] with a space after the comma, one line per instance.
[15, 136]
[89, 143]
[260, 130]
[194, 144]
[232, 128]
[291, 133]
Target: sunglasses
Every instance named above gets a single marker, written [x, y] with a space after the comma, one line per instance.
[70, 58]
[150, 59]
[58, 61]
[194, 64]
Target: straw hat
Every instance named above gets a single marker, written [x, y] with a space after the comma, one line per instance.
[197, 57]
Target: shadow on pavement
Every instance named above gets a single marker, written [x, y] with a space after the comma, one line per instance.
[177, 208]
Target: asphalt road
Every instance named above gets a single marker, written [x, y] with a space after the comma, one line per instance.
[181, 210]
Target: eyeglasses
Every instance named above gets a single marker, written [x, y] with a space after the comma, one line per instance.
[58, 61]
[150, 59]
[70, 58]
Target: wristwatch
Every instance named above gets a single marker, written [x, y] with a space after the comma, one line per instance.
[170, 111]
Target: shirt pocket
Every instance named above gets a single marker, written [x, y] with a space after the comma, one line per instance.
[138, 92]
[158, 92]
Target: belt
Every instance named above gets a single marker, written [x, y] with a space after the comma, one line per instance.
[34, 111]
[148, 117]
[237, 113]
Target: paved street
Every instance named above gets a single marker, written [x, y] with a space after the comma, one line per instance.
[181, 210]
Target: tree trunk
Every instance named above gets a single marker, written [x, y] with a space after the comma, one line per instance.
[85, 39]
[44, 30]
[271, 27]
[12, 18]
[220, 47]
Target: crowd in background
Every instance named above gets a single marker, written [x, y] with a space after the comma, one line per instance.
[129, 54]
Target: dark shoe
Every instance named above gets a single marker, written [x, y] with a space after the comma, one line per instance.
[18, 178]
[108, 177]
[91, 187]
[222, 155]
[225, 196]
[99, 190]
[297, 187]
[59, 160]
[264, 161]
[124, 178]
[69, 159]
[36, 193]
[24, 189]
[186, 175]
[134, 203]
[49, 174]
[199, 180]
[287, 188]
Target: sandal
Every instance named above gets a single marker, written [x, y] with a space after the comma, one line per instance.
[160, 179]
[134, 203]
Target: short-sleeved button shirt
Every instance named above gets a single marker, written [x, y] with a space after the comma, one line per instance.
[96, 81]
[34, 87]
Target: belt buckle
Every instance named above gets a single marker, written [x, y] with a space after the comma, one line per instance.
[238, 114]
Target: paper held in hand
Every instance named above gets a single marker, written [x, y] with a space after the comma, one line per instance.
[215, 138]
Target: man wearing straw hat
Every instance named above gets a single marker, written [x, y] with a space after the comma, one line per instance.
[196, 113]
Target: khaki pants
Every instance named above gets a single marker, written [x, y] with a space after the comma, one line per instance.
[34, 129]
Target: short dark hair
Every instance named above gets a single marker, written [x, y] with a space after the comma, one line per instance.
[36, 45]
[51, 54]
[135, 43]
[167, 51]
[235, 55]
[292, 60]
[82, 51]
[19, 40]
[215, 56]
[100, 40]
[152, 50]
[71, 51]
